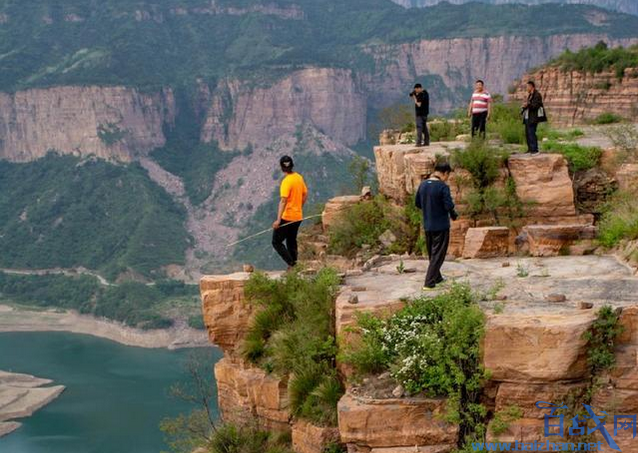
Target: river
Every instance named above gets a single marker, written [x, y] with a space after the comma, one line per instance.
[115, 395]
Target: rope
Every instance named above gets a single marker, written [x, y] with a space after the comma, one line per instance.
[270, 229]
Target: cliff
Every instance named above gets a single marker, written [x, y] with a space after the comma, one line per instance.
[574, 97]
[449, 67]
[242, 113]
[113, 123]
[623, 6]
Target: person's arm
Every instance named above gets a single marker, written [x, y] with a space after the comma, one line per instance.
[280, 212]
[469, 109]
[305, 194]
[449, 203]
[417, 199]
[416, 100]
[426, 100]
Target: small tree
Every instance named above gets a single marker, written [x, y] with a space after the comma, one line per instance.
[359, 170]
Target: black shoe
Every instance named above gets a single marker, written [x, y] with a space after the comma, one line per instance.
[418, 145]
[534, 152]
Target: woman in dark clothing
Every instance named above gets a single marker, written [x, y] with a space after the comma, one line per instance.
[533, 114]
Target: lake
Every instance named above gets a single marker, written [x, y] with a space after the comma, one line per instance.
[115, 395]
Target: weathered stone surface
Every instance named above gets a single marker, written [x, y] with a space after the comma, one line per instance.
[308, 438]
[627, 177]
[486, 242]
[522, 430]
[417, 168]
[226, 312]
[524, 395]
[543, 183]
[536, 348]
[390, 163]
[593, 188]
[335, 207]
[549, 240]
[71, 119]
[574, 97]
[260, 114]
[458, 229]
[411, 449]
[394, 422]
[245, 394]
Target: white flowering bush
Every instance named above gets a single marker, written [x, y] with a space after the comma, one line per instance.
[432, 347]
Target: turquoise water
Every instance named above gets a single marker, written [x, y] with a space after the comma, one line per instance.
[115, 395]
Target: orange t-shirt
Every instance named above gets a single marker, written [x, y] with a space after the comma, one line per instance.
[294, 189]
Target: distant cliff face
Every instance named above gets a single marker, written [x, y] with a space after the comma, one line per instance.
[453, 65]
[239, 114]
[623, 6]
[113, 123]
[575, 97]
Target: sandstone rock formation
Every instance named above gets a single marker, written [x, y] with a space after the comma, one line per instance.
[551, 240]
[113, 123]
[387, 423]
[329, 99]
[21, 395]
[307, 438]
[486, 242]
[335, 207]
[575, 97]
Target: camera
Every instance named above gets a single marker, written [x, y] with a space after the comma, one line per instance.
[413, 94]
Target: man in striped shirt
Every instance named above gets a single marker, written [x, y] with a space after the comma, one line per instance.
[480, 108]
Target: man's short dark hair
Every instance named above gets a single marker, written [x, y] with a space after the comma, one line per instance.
[286, 163]
[417, 85]
[480, 81]
[443, 167]
[531, 82]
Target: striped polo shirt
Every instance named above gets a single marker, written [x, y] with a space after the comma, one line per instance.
[480, 102]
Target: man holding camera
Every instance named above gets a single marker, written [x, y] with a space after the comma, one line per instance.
[421, 100]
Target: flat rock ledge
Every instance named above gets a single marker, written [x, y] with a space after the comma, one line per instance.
[21, 395]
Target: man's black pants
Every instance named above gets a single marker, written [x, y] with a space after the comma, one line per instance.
[530, 135]
[479, 121]
[422, 132]
[286, 232]
[437, 244]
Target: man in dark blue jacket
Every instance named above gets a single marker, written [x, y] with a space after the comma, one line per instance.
[435, 201]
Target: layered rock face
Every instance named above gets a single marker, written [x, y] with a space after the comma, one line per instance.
[575, 97]
[240, 114]
[459, 62]
[113, 123]
[543, 185]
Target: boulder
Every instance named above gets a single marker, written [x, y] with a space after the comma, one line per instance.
[226, 312]
[411, 449]
[543, 184]
[417, 168]
[550, 240]
[394, 422]
[536, 348]
[627, 177]
[390, 164]
[458, 229]
[335, 207]
[486, 242]
[308, 438]
[246, 394]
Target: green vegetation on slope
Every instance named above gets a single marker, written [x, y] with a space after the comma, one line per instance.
[61, 211]
[620, 220]
[133, 303]
[598, 59]
[147, 44]
[293, 334]
[431, 347]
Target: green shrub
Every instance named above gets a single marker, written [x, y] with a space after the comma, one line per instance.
[445, 130]
[502, 419]
[507, 123]
[431, 346]
[580, 158]
[230, 438]
[608, 118]
[598, 59]
[625, 140]
[601, 339]
[196, 322]
[619, 220]
[293, 333]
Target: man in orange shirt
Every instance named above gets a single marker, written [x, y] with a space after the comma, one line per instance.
[293, 193]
